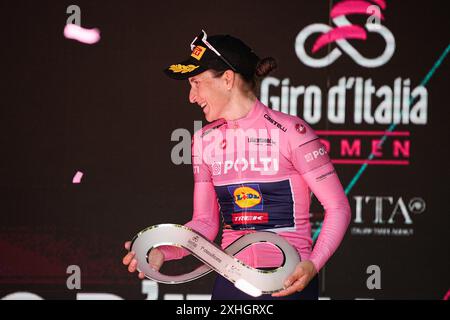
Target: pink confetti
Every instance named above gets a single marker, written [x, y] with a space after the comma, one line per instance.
[77, 177]
[447, 295]
[88, 36]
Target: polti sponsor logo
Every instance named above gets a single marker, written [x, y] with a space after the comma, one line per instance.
[263, 165]
[227, 149]
[353, 100]
[386, 215]
[239, 150]
[311, 156]
[250, 218]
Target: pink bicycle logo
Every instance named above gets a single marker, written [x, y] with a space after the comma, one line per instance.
[346, 30]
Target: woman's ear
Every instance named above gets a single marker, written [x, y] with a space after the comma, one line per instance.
[229, 77]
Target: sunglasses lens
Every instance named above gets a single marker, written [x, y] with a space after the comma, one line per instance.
[202, 36]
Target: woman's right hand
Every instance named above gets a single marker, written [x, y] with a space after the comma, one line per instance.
[156, 259]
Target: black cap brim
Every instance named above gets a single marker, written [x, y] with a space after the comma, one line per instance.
[185, 69]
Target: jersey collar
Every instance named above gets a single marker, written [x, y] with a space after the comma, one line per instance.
[247, 121]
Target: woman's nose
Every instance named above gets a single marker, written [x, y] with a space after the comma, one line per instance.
[192, 96]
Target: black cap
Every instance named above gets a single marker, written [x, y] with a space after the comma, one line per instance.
[234, 55]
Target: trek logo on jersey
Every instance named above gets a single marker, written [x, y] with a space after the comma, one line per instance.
[315, 154]
[250, 218]
[246, 197]
[198, 52]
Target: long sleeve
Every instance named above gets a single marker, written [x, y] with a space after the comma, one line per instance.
[325, 184]
[205, 217]
[312, 161]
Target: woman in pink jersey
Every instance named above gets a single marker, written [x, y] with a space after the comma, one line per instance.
[255, 168]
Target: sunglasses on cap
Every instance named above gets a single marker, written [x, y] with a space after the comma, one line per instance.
[204, 38]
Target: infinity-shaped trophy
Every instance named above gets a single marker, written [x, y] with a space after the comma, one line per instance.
[252, 281]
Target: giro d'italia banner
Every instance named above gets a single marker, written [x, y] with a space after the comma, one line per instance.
[96, 139]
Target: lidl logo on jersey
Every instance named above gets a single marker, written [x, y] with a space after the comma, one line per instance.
[246, 197]
[256, 205]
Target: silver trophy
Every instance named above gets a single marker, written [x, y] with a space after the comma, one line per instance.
[252, 281]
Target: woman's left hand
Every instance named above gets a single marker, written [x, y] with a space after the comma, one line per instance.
[299, 279]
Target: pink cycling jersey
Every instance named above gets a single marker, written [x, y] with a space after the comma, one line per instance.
[257, 172]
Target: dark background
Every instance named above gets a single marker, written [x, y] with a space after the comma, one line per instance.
[108, 110]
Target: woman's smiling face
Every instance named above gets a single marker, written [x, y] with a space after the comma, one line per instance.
[210, 93]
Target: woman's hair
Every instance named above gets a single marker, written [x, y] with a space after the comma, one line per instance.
[263, 68]
[253, 81]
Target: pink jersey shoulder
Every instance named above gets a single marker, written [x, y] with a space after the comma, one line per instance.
[208, 128]
[296, 130]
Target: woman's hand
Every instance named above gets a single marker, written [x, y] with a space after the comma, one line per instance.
[156, 259]
[299, 279]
